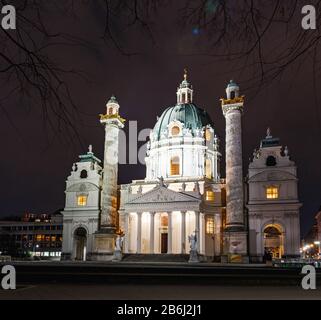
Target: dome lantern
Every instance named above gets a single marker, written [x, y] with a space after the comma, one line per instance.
[184, 91]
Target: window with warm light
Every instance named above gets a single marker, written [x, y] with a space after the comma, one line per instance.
[176, 131]
[82, 201]
[208, 135]
[210, 225]
[174, 166]
[208, 169]
[272, 192]
[209, 195]
[164, 220]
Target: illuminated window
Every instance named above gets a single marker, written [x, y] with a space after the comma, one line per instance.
[210, 225]
[175, 131]
[110, 111]
[174, 166]
[272, 193]
[208, 169]
[210, 195]
[40, 237]
[208, 135]
[82, 201]
[164, 220]
[53, 238]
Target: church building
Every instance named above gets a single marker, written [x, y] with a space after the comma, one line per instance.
[235, 218]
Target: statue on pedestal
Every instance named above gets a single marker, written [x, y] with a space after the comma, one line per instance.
[118, 254]
[193, 254]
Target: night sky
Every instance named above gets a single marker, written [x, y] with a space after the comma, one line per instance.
[34, 171]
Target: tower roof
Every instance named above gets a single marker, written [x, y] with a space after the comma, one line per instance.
[232, 84]
[89, 157]
[112, 100]
[269, 141]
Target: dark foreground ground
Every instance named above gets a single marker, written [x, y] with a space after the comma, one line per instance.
[137, 281]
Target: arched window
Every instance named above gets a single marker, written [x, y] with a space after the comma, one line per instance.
[183, 98]
[175, 130]
[83, 174]
[174, 170]
[110, 111]
[208, 169]
[232, 94]
[270, 161]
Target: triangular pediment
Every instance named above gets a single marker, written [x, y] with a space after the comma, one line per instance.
[161, 194]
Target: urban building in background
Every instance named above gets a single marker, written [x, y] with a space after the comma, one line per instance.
[311, 243]
[32, 236]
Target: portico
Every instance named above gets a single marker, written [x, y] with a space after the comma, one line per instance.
[161, 232]
[160, 221]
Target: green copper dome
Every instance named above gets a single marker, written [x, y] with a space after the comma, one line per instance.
[189, 114]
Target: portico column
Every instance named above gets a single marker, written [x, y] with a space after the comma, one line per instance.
[169, 239]
[139, 232]
[197, 229]
[152, 231]
[183, 231]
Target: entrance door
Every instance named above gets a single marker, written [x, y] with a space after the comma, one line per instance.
[164, 238]
[80, 238]
[273, 248]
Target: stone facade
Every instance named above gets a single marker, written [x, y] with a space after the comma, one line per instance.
[273, 204]
[82, 207]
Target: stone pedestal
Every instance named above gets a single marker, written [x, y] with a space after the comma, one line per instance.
[118, 255]
[104, 245]
[235, 247]
[193, 257]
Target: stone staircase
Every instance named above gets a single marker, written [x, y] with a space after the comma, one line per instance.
[155, 257]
